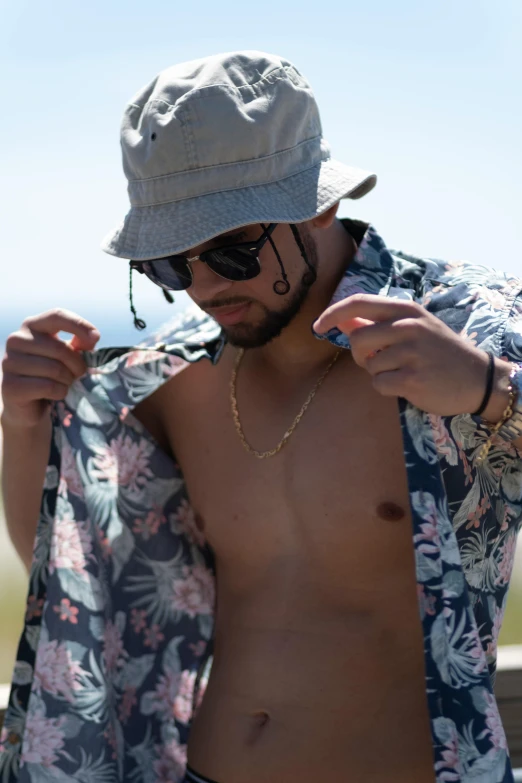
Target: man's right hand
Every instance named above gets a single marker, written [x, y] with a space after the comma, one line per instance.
[39, 367]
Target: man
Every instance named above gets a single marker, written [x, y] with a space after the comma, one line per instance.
[354, 486]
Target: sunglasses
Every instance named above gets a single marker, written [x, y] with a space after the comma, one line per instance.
[231, 262]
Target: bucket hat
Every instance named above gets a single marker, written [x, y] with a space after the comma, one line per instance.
[220, 142]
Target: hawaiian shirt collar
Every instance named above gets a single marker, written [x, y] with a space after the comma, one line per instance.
[371, 271]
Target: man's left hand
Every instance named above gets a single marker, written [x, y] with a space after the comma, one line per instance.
[411, 353]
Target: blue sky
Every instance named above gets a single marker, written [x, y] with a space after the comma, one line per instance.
[427, 95]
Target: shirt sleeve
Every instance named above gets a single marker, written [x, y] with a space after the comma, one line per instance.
[511, 347]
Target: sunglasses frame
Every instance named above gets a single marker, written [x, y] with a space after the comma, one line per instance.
[253, 248]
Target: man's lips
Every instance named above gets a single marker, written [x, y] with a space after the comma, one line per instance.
[229, 315]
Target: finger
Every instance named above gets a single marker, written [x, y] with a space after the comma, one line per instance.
[378, 336]
[395, 357]
[37, 367]
[59, 320]
[23, 390]
[392, 383]
[367, 306]
[36, 344]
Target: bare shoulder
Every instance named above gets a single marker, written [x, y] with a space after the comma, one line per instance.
[185, 390]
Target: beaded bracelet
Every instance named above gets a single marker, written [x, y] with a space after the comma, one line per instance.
[495, 427]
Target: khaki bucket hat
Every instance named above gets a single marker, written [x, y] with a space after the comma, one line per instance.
[221, 142]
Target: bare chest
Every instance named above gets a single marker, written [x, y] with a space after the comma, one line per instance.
[333, 500]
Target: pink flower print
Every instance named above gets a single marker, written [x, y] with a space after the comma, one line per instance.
[493, 296]
[476, 514]
[138, 619]
[475, 650]
[199, 648]
[426, 603]
[71, 545]
[128, 701]
[55, 671]
[494, 723]
[430, 534]
[34, 607]
[64, 415]
[124, 462]
[124, 413]
[172, 762]
[470, 338]
[450, 762]
[467, 468]
[165, 694]
[114, 654]
[153, 637]
[183, 701]
[443, 441]
[506, 560]
[110, 736]
[149, 527]
[196, 592]
[185, 521]
[67, 611]
[175, 364]
[136, 358]
[69, 476]
[497, 624]
[43, 739]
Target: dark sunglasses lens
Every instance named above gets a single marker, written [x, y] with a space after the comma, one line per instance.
[233, 263]
[172, 273]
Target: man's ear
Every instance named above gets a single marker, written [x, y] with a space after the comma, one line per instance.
[325, 219]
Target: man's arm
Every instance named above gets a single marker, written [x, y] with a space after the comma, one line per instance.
[24, 460]
[38, 367]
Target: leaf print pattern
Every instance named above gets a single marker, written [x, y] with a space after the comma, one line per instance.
[120, 613]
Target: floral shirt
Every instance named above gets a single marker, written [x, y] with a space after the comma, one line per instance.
[120, 614]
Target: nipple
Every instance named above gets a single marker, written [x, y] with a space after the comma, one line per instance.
[389, 511]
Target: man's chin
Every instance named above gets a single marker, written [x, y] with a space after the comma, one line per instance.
[242, 336]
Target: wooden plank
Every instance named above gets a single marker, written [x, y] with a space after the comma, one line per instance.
[508, 693]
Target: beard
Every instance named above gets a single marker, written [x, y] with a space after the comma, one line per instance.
[258, 335]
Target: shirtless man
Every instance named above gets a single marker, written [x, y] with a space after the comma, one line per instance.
[318, 666]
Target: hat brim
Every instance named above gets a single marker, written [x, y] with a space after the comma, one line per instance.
[166, 229]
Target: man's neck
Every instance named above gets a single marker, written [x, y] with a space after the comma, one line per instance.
[297, 352]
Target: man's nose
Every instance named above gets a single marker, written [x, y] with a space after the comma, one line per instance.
[206, 284]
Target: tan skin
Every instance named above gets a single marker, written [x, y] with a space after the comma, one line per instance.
[319, 665]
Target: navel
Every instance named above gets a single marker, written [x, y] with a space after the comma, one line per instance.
[260, 720]
[391, 512]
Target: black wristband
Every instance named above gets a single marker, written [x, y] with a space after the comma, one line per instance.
[489, 384]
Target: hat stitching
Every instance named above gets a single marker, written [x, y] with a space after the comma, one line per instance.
[188, 138]
[228, 190]
[233, 163]
[218, 87]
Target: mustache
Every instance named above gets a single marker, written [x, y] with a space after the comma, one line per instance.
[235, 302]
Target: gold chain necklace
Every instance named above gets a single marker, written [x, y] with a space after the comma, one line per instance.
[235, 413]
